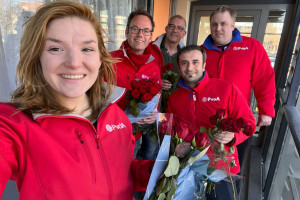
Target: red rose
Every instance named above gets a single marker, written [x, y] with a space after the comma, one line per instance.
[147, 97]
[164, 69]
[154, 90]
[135, 84]
[220, 113]
[201, 139]
[152, 80]
[169, 66]
[136, 94]
[163, 127]
[236, 126]
[225, 124]
[143, 89]
[213, 120]
[143, 81]
[248, 130]
[241, 122]
[148, 84]
[182, 130]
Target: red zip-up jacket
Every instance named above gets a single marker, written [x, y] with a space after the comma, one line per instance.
[126, 70]
[246, 64]
[201, 102]
[65, 157]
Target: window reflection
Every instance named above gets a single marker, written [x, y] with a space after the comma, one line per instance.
[273, 33]
[244, 25]
[204, 29]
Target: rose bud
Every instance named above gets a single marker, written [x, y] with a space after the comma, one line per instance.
[183, 149]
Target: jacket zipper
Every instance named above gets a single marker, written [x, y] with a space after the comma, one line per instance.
[194, 96]
[88, 155]
[102, 158]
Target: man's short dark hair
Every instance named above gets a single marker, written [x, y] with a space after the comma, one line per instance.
[222, 9]
[192, 47]
[140, 11]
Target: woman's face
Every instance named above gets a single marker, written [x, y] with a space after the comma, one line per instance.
[70, 59]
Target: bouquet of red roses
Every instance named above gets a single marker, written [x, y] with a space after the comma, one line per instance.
[142, 98]
[172, 77]
[182, 166]
[222, 124]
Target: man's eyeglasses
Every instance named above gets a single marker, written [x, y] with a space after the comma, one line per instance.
[173, 26]
[137, 30]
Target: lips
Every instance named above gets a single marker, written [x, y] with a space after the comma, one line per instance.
[67, 76]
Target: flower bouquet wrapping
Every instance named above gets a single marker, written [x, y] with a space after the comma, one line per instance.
[172, 77]
[182, 168]
[143, 99]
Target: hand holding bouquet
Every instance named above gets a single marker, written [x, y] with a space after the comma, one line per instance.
[172, 77]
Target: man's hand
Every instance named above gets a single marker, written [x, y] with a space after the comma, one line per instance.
[224, 137]
[264, 120]
[148, 120]
[165, 84]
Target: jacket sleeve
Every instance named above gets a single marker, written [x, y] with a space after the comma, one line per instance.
[11, 147]
[238, 108]
[263, 81]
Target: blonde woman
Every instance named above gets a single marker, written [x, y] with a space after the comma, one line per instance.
[62, 136]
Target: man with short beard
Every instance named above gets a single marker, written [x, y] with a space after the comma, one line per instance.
[202, 96]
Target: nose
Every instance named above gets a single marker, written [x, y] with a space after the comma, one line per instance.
[73, 58]
[189, 66]
[140, 33]
[219, 27]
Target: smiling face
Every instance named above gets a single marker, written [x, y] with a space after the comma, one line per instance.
[175, 33]
[191, 67]
[138, 41]
[221, 27]
[70, 59]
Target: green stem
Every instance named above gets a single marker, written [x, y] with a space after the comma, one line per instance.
[226, 160]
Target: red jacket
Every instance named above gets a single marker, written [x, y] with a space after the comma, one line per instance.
[246, 64]
[202, 102]
[126, 71]
[56, 157]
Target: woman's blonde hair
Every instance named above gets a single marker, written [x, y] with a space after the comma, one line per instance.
[34, 95]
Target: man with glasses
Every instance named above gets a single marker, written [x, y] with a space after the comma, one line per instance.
[170, 44]
[137, 58]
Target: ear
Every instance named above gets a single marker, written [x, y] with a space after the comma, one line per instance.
[126, 32]
[166, 28]
[233, 26]
[203, 67]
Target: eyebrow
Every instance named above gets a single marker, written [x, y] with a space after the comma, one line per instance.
[59, 41]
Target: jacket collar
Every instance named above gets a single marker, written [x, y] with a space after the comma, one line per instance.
[209, 42]
[122, 47]
[160, 38]
[118, 93]
[200, 84]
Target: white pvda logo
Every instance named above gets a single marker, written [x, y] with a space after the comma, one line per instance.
[240, 48]
[207, 99]
[112, 127]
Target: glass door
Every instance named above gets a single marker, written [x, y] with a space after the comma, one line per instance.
[246, 23]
